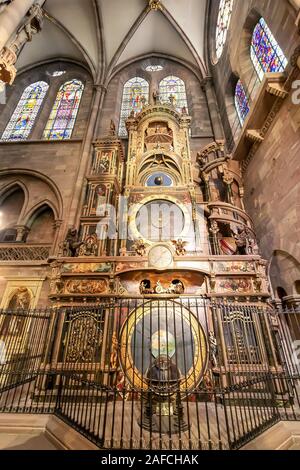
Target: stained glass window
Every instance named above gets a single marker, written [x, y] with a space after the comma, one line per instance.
[241, 102]
[266, 54]
[135, 93]
[223, 22]
[173, 87]
[64, 112]
[23, 118]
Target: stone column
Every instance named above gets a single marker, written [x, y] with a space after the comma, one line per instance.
[22, 232]
[19, 21]
[208, 87]
[11, 17]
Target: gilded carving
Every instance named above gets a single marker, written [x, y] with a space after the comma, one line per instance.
[239, 286]
[80, 268]
[86, 286]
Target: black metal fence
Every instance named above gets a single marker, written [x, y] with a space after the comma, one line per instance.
[160, 373]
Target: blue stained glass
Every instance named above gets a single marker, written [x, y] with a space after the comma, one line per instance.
[241, 102]
[266, 54]
[24, 116]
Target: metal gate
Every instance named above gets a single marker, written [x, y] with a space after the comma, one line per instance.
[160, 373]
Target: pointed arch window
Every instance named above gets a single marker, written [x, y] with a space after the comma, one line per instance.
[135, 93]
[223, 22]
[266, 54]
[64, 112]
[241, 102]
[24, 116]
[175, 87]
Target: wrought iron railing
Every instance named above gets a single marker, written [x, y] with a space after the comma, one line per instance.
[154, 374]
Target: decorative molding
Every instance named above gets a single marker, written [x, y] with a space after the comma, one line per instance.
[155, 5]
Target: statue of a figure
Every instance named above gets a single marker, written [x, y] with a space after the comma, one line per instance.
[140, 247]
[114, 351]
[156, 97]
[172, 100]
[71, 245]
[164, 406]
[201, 159]
[34, 21]
[90, 246]
[112, 127]
[104, 163]
[252, 246]
[21, 299]
[213, 349]
[180, 247]
[241, 241]
[143, 100]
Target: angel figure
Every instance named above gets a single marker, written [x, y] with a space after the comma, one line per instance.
[140, 247]
[114, 352]
[180, 247]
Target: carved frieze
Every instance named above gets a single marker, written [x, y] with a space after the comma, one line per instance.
[86, 286]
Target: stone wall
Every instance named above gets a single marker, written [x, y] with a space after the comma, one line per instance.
[272, 183]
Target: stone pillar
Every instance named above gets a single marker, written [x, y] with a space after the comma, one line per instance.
[13, 36]
[208, 87]
[22, 232]
[11, 17]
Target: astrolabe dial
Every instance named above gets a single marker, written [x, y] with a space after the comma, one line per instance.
[160, 257]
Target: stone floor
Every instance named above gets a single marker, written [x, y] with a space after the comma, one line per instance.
[36, 440]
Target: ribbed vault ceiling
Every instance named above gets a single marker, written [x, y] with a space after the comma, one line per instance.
[107, 34]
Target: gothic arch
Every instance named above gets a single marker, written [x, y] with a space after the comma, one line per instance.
[12, 214]
[10, 188]
[247, 72]
[36, 210]
[284, 271]
[39, 176]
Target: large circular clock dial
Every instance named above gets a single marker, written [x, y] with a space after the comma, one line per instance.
[160, 257]
[160, 221]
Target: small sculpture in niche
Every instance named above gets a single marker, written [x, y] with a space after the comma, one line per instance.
[175, 287]
[90, 246]
[156, 97]
[112, 128]
[180, 247]
[140, 247]
[71, 245]
[241, 241]
[20, 300]
[245, 241]
[104, 163]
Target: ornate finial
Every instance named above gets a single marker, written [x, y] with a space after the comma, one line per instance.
[155, 5]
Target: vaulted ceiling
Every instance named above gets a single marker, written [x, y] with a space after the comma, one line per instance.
[107, 34]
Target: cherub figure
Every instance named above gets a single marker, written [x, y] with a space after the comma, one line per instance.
[140, 247]
[180, 247]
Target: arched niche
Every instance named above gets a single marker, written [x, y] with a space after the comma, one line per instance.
[41, 226]
[11, 207]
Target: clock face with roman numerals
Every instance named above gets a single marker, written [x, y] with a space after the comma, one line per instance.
[160, 257]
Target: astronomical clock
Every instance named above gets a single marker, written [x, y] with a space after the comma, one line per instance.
[163, 239]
